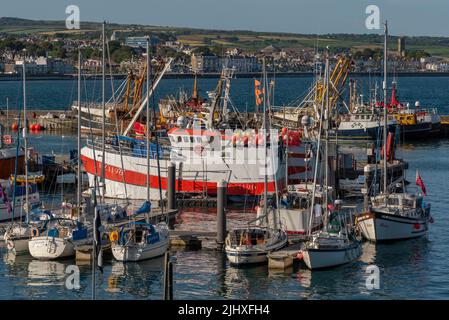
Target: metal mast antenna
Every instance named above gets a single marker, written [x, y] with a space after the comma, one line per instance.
[78, 195]
[103, 125]
[148, 119]
[385, 111]
[25, 145]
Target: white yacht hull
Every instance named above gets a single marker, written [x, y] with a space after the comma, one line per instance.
[139, 252]
[49, 248]
[378, 226]
[241, 255]
[327, 258]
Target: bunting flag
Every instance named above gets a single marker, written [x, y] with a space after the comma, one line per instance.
[420, 183]
[258, 92]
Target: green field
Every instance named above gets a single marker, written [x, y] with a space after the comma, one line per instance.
[248, 40]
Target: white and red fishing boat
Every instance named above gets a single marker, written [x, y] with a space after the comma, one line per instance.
[202, 157]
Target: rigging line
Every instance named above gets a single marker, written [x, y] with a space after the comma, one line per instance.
[116, 126]
[16, 164]
[312, 209]
[157, 143]
[91, 135]
[274, 172]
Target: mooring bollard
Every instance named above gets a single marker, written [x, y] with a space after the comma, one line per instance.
[221, 213]
[171, 190]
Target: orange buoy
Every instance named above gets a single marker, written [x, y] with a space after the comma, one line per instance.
[14, 126]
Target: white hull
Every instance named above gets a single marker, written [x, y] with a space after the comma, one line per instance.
[389, 227]
[49, 248]
[140, 252]
[241, 255]
[327, 258]
[242, 168]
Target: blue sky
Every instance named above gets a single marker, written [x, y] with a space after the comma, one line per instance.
[406, 17]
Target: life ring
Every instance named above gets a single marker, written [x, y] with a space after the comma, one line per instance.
[113, 236]
[35, 232]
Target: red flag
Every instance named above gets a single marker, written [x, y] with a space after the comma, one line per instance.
[420, 183]
[139, 128]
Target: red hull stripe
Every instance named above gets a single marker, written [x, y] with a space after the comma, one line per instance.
[296, 155]
[139, 179]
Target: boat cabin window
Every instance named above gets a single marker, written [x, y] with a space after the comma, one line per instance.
[393, 201]
[186, 139]
[192, 139]
[138, 236]
[357, 117]
[198, 139]
[179, 139]
[408, 202]
[362, 117]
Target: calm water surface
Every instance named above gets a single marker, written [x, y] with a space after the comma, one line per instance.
[414, 269]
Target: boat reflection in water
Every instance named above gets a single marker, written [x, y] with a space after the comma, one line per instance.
[140, 280]
[46, 273]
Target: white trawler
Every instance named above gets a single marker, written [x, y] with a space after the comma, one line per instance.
[204, 153]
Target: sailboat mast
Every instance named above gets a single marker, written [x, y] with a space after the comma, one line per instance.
[103, 124]
[78, 195]
[25, 144]
[385, 111]
[265, 192]
[148, 119]
[326, 149]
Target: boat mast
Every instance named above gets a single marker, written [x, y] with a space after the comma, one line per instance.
[78, 195]
[25, 145]
[103, 125]
[143, 103]
[385, 111]
[148, 118]
[265, 191]
[326, 148]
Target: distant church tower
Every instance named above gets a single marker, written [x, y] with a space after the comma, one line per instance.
[401, 46]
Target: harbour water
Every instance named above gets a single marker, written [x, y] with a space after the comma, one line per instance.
[415, 269]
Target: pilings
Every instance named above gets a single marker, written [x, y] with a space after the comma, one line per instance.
[221, 214]
[168, 277]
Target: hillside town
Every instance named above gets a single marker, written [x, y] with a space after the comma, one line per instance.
[56, 55]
